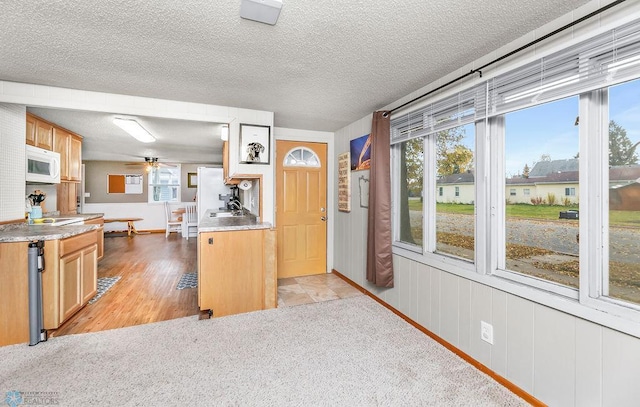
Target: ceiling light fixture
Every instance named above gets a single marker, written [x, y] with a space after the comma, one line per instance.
[152, 162]
[134, 129]
[262, 11]
[224, 132]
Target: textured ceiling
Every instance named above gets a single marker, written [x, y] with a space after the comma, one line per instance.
[324, 64]
[177, 141]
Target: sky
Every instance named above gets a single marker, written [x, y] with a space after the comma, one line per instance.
[550, 128]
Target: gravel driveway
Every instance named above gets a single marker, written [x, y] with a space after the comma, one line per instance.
[558, 236]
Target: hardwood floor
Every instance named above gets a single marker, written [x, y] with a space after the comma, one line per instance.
[150, 267]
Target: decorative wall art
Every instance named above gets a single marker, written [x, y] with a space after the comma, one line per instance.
[254, 144]
[361, 153]
[344, 183]
[192, 180]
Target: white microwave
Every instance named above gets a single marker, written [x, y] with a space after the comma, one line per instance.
[43, 166]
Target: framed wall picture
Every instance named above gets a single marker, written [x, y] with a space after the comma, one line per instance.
[254, 144]
[361, 153]
[192, 180]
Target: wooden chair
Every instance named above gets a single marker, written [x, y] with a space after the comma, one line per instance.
[173, 225]
[190, 222]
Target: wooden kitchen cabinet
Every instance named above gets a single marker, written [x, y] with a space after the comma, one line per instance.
[89, 273]
[14, 293]
[100, 241]
[225, 166]
[31, 130]
[44, 135]
[74, 158]
[69, 279]
[67, 197]
[236, 271]
[39, 132]
[51, 137]
[61, 146]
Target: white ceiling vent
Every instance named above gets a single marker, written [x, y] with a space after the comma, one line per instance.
[263, 11]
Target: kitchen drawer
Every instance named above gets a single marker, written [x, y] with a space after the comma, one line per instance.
[78, 242]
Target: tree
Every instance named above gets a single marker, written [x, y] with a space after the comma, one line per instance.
[621, 151]
[452, 156]
[525, 171]
[414, 165]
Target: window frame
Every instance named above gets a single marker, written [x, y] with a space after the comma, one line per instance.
[589, 300]
[151, 185]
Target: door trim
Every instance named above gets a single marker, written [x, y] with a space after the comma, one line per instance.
[316, 137]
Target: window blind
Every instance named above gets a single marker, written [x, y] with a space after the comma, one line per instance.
[456, 110]
[601, 61]
[604, 60]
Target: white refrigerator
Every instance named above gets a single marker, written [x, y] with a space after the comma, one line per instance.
[210, 187]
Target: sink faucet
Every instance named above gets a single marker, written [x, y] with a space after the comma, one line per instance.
[234, 205]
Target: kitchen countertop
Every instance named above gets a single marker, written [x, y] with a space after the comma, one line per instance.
[22, 232]
[246, 222]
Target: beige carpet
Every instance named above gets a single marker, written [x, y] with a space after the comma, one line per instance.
[350, 352]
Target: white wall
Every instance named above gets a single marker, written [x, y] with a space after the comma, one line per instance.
[49, 96]
[558, 357]
[13, 129]
[153, 217]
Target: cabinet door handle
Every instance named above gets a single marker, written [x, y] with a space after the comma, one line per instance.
[210, 240]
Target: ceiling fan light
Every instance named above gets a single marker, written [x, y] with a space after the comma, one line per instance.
[134, 129]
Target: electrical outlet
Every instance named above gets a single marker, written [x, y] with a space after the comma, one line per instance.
[486, 332]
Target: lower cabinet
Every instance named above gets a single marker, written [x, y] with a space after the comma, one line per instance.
[236, 271]
[98, 221]
[69, 279]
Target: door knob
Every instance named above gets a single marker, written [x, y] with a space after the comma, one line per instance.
[323, 218]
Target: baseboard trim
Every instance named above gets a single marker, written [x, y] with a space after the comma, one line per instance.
[503, 381]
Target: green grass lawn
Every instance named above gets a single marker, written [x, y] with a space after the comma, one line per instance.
[543, 212]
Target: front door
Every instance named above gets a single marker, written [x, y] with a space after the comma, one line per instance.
[301, 208]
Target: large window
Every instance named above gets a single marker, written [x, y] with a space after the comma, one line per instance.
[544, 140]
[531, 178]
[455, 214]
[164, 183]
[623, 280]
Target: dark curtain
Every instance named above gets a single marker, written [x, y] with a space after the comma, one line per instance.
[379, 256]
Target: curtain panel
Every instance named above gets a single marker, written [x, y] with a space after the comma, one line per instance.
[379, 233]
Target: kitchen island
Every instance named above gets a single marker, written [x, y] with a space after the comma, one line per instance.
[236, 264]
[69, 278]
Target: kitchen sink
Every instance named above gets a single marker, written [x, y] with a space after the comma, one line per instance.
[58, 221]
[226, 214]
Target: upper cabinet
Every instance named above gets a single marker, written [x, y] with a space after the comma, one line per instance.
[31, 130]
[61, 146]
[39, 133]
[225, 166]
[75, 158]
[43, 134]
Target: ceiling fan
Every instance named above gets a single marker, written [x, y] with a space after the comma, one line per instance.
[149, 163]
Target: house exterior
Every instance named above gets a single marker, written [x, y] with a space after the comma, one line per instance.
[558, 179]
